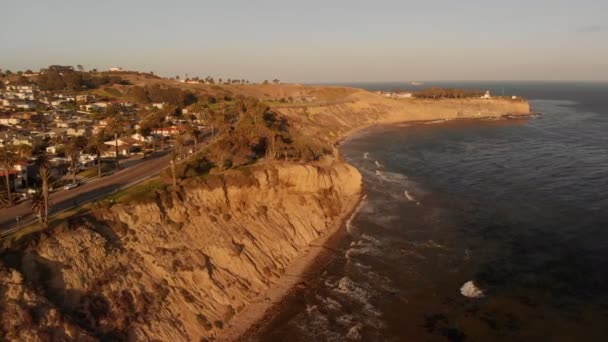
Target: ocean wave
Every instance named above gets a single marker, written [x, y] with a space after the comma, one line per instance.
[365, 250]
[349, 222]
[410, 197]
[348, 287]
[354, 333]
[317, 326]
[366, 245]
[346, 320]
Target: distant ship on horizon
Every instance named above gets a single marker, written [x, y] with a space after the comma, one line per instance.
[416, 83]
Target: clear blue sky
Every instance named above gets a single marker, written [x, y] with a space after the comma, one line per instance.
[314, 40]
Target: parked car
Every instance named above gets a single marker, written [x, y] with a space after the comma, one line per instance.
[71, 186]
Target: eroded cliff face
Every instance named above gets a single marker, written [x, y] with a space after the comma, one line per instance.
[337, 118]
[180, 267]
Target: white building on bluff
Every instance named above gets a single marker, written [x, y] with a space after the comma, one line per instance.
[487, 95]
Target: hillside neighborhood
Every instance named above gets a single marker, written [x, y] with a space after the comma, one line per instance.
[77, 134]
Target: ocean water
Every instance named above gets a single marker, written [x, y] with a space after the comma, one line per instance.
[491, 230]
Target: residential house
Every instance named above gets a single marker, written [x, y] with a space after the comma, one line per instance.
[22, 88]
[19, 139]
[125, 147]
[55, 148]
[25, 105]
[59, 102]
[140, 138]
[86, 98]
[57, 132]
[10, 121]
[79, 132]
[167, 131]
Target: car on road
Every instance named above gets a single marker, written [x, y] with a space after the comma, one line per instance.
[71, 186]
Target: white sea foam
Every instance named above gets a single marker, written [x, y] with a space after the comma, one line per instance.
[354, 333]
[365, 155]
[366, 250]
[370, 239]
[348, 287]
[367, 245]
[329, 303]
[362, 266]
[317, 326]
[378, 165]
[393, 177]
[346, 320]
[470, 290]
[410, 197]
[349, 222]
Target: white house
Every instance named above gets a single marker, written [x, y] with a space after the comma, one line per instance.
[59, 102]
[403, 95]
[140, 138]
[124, 148]
[95, 106]
[487, 95]
[85, 98]
[53, 149]
[167, 131]
[115, 69]
[21, 140]
[26, 88]
[78, 132]
[87, 159]
[25, 105]
[10, 121]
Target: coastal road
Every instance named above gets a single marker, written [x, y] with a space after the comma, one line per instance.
[64, 199]
[135, 171]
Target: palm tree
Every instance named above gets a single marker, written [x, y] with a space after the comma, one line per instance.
[37, 202]
[193, 131]
[172, 163]
[146, 126]
[24, 151]
[73, 150]
[116, 126]
[43, 162]
[179, 145]
[98, 146]
[7, 161]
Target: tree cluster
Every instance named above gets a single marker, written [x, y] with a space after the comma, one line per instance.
[156, 93]
[65, 78]
[441, 93]
[249, 130]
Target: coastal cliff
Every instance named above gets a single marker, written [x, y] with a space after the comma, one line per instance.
[185, 264]
[356, 109]
[179, 267]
